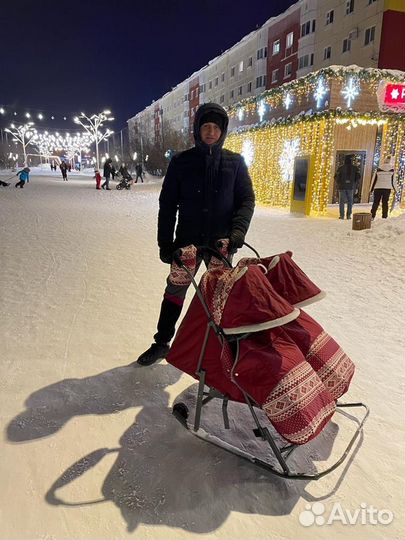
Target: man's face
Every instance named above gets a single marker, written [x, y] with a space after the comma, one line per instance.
[210, 133]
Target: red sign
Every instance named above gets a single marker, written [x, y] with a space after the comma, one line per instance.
[391, 97]
[395, 94]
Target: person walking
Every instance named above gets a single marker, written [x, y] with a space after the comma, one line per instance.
[139, 172]
[209, 191]
[63, 170]
[382, 183]
[24, 176]
[97, 176]
[107, 174]
[347, 179]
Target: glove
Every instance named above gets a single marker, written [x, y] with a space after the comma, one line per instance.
[236, 240]
[166, 253]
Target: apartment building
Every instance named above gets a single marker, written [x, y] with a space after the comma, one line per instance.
[310, 35]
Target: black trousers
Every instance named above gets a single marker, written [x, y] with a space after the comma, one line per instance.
[381, 195]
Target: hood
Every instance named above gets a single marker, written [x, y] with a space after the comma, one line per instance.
[202, 110]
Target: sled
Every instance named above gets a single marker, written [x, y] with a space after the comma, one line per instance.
[213, 385]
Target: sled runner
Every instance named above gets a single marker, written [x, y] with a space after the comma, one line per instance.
[246, 339]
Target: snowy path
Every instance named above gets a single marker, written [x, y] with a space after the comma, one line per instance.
[80, 292]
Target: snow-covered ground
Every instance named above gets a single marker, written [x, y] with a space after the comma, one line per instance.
[90, 448]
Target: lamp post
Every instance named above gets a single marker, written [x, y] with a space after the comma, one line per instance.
[92, 125]
[24, 135]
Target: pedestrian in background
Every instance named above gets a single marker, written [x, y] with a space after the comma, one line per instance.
[139, 172]
[97, 176]
[24, 176]
[63, 170]
[107, 174]
[347, 179]
[382, 183]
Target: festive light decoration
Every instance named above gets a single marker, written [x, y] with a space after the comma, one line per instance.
[241, 114]
[320, 91]
[287, 157]
[248, 152]
[261, 109]
[24, 134]
[315, 134]
[350, 91]
[287, 100]
[93, 124]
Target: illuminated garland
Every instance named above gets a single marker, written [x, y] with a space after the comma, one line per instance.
[316, 138]
[309, 84]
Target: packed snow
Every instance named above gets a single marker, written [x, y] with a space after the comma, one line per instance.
[90, 447]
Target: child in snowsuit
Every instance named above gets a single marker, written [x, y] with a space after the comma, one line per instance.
[98, 179]
[24, 176]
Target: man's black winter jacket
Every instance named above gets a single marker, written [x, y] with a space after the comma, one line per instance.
[208, 189]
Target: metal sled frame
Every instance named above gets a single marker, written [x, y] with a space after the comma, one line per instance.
[206, 393]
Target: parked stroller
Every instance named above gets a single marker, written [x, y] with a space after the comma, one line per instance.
[246, 339]
[124, 181]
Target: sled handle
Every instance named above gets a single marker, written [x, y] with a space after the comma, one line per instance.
[201, 249]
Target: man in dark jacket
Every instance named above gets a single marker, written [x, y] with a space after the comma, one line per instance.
[347, 181]
[107, 174]
[210, 192]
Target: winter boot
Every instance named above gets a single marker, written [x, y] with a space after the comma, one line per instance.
[169, 314]
[157, 351]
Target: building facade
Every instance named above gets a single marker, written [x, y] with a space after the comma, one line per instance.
[308, 36]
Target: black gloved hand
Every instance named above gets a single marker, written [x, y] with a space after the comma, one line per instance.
[166, 253]
[236, 240]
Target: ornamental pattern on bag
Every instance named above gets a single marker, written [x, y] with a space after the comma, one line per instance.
[178, 275]
[333, 367]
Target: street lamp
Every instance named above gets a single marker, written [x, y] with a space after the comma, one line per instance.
[92, 126]
[25, 135]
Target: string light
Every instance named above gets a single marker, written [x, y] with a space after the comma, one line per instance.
[287, 100]
[350, 91]
[287, 157]
[321, 90]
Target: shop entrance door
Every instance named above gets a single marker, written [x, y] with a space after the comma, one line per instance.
[358, 160]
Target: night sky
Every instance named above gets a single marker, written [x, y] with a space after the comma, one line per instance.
[61, 57]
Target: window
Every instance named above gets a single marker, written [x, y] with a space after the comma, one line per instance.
[222, 98]
[202, 88]
[250, 62]
[232, 94]
[289, 40]
[287, 70]
[210, 85]
[303, 61]
[369, 35]
[327, 53]
[265, 52]
[241, 66]
[276, 47]
[349, 6]
[249, 87]
[261, 53]
[233, 71]
[260, 81]
[346, 45]
[216, 81]
[223, 77]
[308, 27]
[240, 90]
[185, 97]
[274, 76]
[330, 16]
[311, 63]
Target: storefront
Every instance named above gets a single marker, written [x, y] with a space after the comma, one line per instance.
[295, 136]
